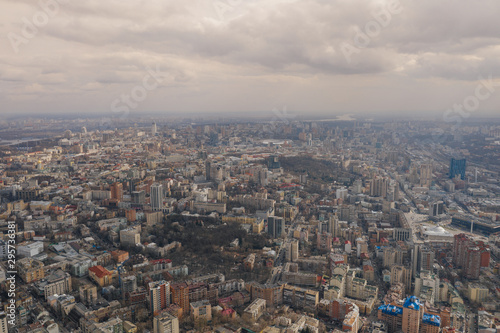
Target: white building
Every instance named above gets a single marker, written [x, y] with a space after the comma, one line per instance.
[28, 250]
[156, 197]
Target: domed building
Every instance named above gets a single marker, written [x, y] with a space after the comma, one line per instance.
[436, 234]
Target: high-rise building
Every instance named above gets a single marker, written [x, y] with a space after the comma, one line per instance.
[409, 318]
[159, 296]
[401, 274]
[361, 247]
[457, 168]
[208, 170]
[129, 285]
[263, 173]
[154, 129]
[292, 250]
[425, 174]
[180, 295]
[426, 260]
[273, 163]
[470, 255]
[378, 187]
[472, 265]
[436, 208]
[341, 193]
[460, 243]
[333, 225]
[88, 294]
[413, 177]
[412, 314]
[165, 323]
[156, 197]
[275, 226]
[138, 197]
[117, 191]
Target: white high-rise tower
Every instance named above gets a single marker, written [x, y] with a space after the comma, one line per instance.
[156, 197]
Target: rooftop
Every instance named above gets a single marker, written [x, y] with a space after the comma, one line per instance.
[412, 302]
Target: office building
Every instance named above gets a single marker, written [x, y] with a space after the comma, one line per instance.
[457, 168]
[275, 226]
[156, 197]
[436, 208]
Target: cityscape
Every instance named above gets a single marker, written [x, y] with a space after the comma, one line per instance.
[250, 226]
[257, 166]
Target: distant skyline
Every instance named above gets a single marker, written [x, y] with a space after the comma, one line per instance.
[243, 57]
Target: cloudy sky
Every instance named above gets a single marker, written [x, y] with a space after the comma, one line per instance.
[308, 56]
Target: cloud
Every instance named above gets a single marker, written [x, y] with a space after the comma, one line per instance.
[247, 49]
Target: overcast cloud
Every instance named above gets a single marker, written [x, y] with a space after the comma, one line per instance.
[247, 55]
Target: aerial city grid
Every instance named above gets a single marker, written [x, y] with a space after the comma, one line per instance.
[271, 166]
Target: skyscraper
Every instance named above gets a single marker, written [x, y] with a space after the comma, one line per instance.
[156, 197]
[154, 129]
[457, 168]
